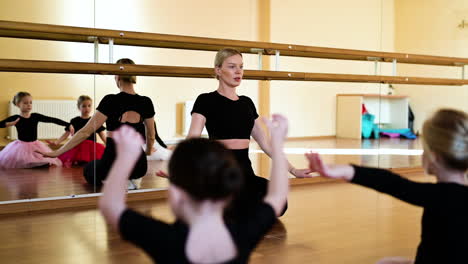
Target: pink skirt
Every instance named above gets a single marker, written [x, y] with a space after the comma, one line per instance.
[21, 155]
[86, 151]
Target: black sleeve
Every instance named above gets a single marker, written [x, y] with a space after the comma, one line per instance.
[105, 106]
[201, 105]
[48, 119]
[252, 106]
[149, 234]
[8, 119]
[416, 193]
[149, 109]
[72, 121]
[256, 226]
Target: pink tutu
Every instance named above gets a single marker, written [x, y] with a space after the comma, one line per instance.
[86, 151]
[20, 154]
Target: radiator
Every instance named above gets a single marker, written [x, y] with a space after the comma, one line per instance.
[62, 109]
[188, 106]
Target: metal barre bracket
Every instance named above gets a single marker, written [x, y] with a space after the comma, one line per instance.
[277, 58]
[92, 38]
[462, 66]
[96, 50]
[260, 56]
[394, 67]
[374, 59]
[257, 50]
[111, 50]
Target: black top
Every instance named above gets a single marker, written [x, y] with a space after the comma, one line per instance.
[115, 105]
[444, 236]
[78, 123]
[27, 127]
[165, 243]
[225, 118]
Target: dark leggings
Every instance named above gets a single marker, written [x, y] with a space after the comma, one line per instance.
[96, 171]
[255, 187]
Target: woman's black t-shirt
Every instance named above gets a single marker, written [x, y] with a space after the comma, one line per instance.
[225, 118]
[115, 105]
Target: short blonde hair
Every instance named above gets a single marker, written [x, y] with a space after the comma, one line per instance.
[127, 78]
[223, 54]
[446, 134]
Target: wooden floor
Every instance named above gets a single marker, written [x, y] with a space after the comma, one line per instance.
[18, 184]
[326, 223]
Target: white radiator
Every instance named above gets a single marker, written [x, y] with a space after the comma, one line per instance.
[62, 109]
[188, 106]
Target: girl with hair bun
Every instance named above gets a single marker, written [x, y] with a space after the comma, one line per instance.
[204, 179]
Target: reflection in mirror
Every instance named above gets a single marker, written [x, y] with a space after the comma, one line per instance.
[31, 175]
[440, 38]
[53, 95]
[42, 114]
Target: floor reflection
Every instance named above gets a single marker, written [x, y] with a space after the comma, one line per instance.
[16, 184]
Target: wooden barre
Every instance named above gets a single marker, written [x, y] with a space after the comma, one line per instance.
[88, 35]
[35, 66]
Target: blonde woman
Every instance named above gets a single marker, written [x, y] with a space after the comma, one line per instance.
[232, 119]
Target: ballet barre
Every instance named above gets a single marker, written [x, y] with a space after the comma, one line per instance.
[36, 66]
[25, 30]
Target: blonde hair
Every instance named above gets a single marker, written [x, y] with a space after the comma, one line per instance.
[446, 134]
[223, 54]
[81, 99]
[127, 78]
[19, 96]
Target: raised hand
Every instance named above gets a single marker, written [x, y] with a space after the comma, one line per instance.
[12, 123]
[128, 141]
[344, 172]
[278, 127]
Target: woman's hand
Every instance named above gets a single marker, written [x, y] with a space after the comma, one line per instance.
[149, 153]
[52, 154]
[343, 172]
[52, 143]
[301, 173]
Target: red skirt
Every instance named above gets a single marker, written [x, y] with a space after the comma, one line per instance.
[86, 151]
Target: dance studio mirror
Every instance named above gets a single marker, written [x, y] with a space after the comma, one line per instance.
[51, 95]
[411, 105]
[319, 112]
[310, 106]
